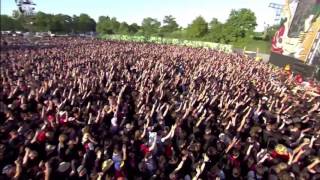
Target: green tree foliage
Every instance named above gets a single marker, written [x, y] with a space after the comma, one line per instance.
[7, 23]
[134, 28]
[169, 25]
[198, 28]
[85, 23]
[102, 25]
[214, 22]
[269, 32]
[115, 24]
[216, 33]
[241, 23]
[60, 23]
[107, 25]
[150, 26]
[123, 28]
[238, 29]
[42, 22]
[19, 21]
[75, 21]
[179, 34]
[13, 23]
[56, 24]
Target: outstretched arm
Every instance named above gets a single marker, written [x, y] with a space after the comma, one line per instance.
[312, 165]
[170, 134]
[201, 167]
[244, 120]
[18, 170]
[184, 158]
[154, 143]
[144, 132]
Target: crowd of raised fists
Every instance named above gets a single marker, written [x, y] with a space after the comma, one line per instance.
[75, 108]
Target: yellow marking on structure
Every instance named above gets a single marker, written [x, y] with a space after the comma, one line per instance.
[309, 39]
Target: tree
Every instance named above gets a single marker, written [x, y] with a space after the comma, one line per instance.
[242, 23]
[115, 24]
[20, 20]
[42, 21]
[7, 23]
[169, 25]
[107, 26]
[269, 32]
[85, 24]
[198, 28]
[68, 23]
[103, 25]
[179, 34]
[123, 28]
[228, 34]
[74, 24]
[59, 23]
[134, 28]
[216, 33]
[214, 22]
[150, 26]
[56, 24]
[100, 24]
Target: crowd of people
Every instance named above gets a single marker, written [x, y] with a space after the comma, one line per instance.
[93, 109]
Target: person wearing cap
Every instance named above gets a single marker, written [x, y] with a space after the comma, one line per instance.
[82, 173]
[281, 152]
[64, 168]
[8, 171]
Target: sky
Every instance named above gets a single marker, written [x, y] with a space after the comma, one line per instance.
[135, 10]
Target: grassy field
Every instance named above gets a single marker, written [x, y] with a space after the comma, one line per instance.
[252, 45]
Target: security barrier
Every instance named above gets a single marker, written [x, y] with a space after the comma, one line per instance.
[160, 40]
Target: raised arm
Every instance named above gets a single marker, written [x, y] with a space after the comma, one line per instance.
[170, 134]
[154, 143]
[244, 120]
[18, 170]
[310, 167]
[234, 141]
[184, 158]
[144, 132]
[201, 167]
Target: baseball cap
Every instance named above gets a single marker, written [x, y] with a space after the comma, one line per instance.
[7, 169]
[64, 166]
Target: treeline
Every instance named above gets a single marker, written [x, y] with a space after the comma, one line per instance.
[42, 22]
[239, 27]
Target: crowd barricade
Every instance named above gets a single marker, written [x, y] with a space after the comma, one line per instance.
[159, 40]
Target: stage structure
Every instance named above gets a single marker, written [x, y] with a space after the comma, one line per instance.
[296, 43]
[26, 7]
